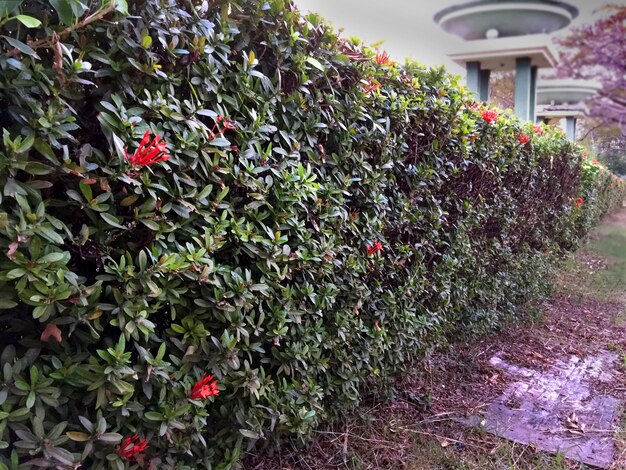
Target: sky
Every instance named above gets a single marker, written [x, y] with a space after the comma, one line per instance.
[407, 27]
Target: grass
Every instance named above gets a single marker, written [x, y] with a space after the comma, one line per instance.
[598, 270]
[505, 455]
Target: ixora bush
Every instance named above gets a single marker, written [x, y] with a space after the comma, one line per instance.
[220, 222]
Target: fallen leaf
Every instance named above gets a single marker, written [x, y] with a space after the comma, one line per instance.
[574, 426]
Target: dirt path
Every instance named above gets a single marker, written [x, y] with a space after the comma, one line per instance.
[546, 394]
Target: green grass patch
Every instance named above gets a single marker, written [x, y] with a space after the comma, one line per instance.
[500, 454]
[598, 270]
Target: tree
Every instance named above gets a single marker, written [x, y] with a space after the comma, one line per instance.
[606, 144]
[598, 52]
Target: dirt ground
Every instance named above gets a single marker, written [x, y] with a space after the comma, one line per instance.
[422, 426]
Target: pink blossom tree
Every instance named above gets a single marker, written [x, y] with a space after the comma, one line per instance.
[598, 52]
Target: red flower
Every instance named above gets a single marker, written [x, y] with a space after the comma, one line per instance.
[204, 388]
[585, 154]
[523, 138]
[131, 446]
[596, 162]
[382, 58]
[148, 153]
[226, 123]
[371, 86]
[579, 202]
[489, 115]
[538, 129]
[375, 248]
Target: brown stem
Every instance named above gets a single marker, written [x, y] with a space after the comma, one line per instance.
[51, 39]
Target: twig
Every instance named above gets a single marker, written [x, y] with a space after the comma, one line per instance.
[58, 58]
[55, 37]
[345, 448]
[424, 433]
[590, 131]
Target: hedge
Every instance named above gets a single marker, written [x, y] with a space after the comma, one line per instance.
[222, 222]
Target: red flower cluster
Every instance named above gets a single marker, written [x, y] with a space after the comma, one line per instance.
[375, 248]
[226, 125]
[523, 138]
[489, 115]
[131, 446]
[382, 58]
[204, 388]
[148, 153]
[370, 86]
[596, 162]
[538, 129]
[579, 202]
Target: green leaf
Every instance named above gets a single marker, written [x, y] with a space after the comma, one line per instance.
[151, 224]
[86, 190]
[6, 303]
[121, 6]
[61, 455]
[146, 41]
[119, 145]
[52, 258]
[49, 234]
[15, 273]
[28, 21]
[19, 414]
[222, 194]
[111, 437]
[9, 6]
[30, 400]
[26, 144]
[37, 168]
[45, 149]
[250, 434]
[154, 416]
[22, 385]
[315, 63]
[64, 10]
[20, 46]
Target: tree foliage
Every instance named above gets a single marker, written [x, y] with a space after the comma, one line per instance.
[598, 52]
